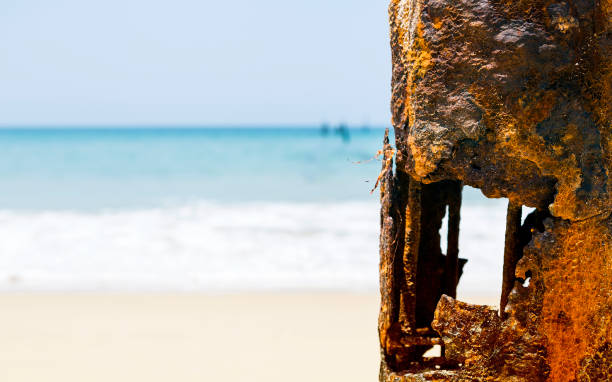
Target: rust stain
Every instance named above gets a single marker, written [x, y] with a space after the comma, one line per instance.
[578, 283]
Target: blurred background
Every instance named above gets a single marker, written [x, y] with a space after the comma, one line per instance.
[185, 190]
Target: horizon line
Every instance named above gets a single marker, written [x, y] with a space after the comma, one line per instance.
[191, 126]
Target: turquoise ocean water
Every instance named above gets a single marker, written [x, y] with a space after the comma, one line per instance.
[211, 209]
[92, 169]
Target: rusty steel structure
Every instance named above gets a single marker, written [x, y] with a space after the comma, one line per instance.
[512, 97]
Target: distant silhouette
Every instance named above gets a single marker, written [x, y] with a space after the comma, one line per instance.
[343, 131]
[325, 129]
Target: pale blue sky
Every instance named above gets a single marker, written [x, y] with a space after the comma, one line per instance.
[203, 62]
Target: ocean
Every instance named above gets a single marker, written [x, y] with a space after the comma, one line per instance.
[207, 209]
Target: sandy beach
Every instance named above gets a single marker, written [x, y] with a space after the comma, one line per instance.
[188, 337]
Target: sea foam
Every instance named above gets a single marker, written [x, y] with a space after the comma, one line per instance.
[219, 247]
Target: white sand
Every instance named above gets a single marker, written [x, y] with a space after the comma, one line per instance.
[189, 337]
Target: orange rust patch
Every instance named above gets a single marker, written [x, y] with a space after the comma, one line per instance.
[578, 287]
[437, 22]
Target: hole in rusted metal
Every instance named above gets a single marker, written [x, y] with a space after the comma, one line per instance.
[417, 269]
[527, 281]
[437, 268]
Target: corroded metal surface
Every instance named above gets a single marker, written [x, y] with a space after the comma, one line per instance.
[514, 98]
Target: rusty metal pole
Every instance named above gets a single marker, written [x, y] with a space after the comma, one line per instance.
[452, 251]
[511, 252]
[411, 258]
